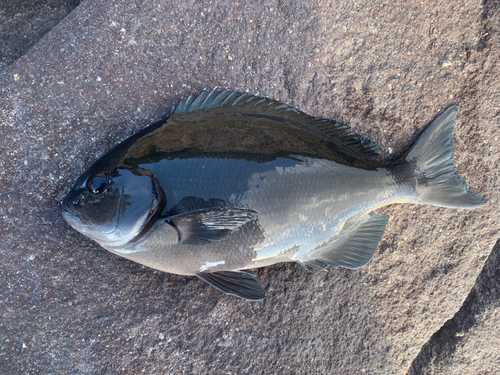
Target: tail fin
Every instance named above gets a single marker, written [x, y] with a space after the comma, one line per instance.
[432, 156]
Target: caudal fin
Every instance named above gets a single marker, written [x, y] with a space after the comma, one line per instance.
[438, 183]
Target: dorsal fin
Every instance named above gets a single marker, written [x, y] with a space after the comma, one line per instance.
[338, 134]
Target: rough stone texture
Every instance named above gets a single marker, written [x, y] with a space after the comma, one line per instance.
[469, 342]
[24, 22]
[112, 67]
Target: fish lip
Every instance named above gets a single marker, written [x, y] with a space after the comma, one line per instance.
[68, 213]
[67, 208]
[72, 217]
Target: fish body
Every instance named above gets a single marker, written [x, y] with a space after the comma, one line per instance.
[231, 182]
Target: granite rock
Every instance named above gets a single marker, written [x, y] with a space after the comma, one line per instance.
[24, 22]
[468, 343]
[110, 68]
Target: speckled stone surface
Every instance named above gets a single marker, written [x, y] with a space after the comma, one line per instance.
[24, 22]
[469, 342]
[387, 69]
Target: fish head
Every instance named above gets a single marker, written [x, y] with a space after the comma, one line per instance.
[114, 208]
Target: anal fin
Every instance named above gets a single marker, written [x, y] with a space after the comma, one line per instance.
[237, 283]
[354, 249]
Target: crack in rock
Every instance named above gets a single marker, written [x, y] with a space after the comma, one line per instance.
[446, 349]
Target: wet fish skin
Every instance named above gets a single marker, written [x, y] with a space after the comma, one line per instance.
[231, 182]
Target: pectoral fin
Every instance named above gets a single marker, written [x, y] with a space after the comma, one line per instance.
[354, 249]
[237, 283]
[203, 226]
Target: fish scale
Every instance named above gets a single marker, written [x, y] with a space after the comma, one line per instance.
[232, 182]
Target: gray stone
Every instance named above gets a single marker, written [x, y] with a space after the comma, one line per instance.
[110, 68]
[24, 22]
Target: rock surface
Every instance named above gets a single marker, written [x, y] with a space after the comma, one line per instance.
[469, 342]
[24, 22]
[110, 68]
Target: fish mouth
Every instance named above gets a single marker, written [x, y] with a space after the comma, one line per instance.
[67, 210]
[66, 203]
[73, 218]
[68, 213]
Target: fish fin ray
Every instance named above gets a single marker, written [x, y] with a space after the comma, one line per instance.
[432, 157]
[240, 284]
[207, 225]
[354, 249]
[337, 136]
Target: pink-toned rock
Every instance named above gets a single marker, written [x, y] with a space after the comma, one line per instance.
[112, 67]
[468, 343]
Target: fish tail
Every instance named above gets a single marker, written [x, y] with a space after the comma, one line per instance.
[431, 158]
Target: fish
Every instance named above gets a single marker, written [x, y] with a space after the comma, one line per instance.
[231, 182]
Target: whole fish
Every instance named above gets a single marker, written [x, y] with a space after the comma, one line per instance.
[231, 182]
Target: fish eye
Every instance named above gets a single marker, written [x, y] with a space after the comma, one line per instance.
[98, 184]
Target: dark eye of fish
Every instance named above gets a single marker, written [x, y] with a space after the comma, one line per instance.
[98, 184]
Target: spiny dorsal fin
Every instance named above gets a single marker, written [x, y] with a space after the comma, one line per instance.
[338, 134]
